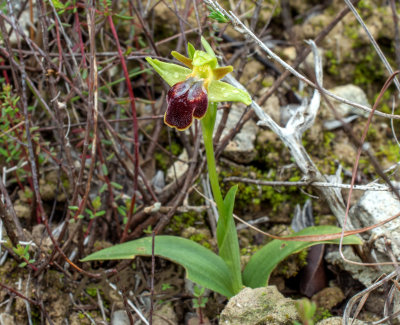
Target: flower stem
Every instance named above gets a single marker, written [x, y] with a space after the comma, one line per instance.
[228, 244]
[207, 124]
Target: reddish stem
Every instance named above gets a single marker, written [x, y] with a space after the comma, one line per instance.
[134, 121]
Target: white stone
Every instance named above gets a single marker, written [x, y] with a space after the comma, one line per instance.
[241, 149]
[372, 208]
[352, 93]
[179, 167]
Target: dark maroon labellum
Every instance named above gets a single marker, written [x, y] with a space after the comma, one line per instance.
[186, 99]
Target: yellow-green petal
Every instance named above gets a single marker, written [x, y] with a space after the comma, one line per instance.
[183, 59]
[221, 72]
[219, 91]
[171, 73]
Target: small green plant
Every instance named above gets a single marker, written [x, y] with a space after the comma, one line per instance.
[23, 253]
[306, 310]
[217, 16]
[194, 94]
[199, 302]
[166, 286]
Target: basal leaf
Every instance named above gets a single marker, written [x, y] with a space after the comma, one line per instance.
[228, 240]
[202, 265]
[263, 262]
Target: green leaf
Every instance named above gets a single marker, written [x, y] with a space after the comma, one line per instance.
[202, 265]
[219, 91]
[190, 50]
[171, 73]
[100, 213]
[227, 238]
[116, 185]
[104, 169]
[218, 16]
[96, 203]
[263, 262]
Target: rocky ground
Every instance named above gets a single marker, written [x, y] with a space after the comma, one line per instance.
[71, 165]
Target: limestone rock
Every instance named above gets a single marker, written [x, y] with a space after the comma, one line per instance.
[165, 315]
[119, 317]
[366, 275]
[352, 93]
[272, 108]
[328, 297]
[338, 321]
[241, 149]
[22, 209]
[259, 306]
[6, 319]
[179, 167]
[372, 208]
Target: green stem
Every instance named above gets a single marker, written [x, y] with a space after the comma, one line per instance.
[212, 168]
[228, 244]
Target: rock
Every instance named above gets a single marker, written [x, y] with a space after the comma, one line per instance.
[41, 238]
[119, 317]
[6, 319]
[158, 181]
[345, 152]
[165, 315]
[179, 167]
[350, 92]
[259, 306]
[252, 76]
[338, 321]
[22, 210]
[272, 108]
[366, 275]
[328, 297]
[47, 190]
[372, 208]
[195, 320]
[241, 148]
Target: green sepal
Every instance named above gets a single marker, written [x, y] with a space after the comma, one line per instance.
[190, 50]
[219, 91]
[171, 73]
[202, 58]
[207, 47]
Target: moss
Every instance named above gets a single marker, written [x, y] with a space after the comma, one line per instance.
[201, 239]
[368, 70]
[321, 313]
[91, 291]
[183, 220]
[333, 67]
[162, 160]
[252, 197]
[390, 151]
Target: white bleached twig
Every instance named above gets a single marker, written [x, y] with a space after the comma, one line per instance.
[244, 30]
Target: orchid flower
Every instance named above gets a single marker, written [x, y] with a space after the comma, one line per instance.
[192, 88]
